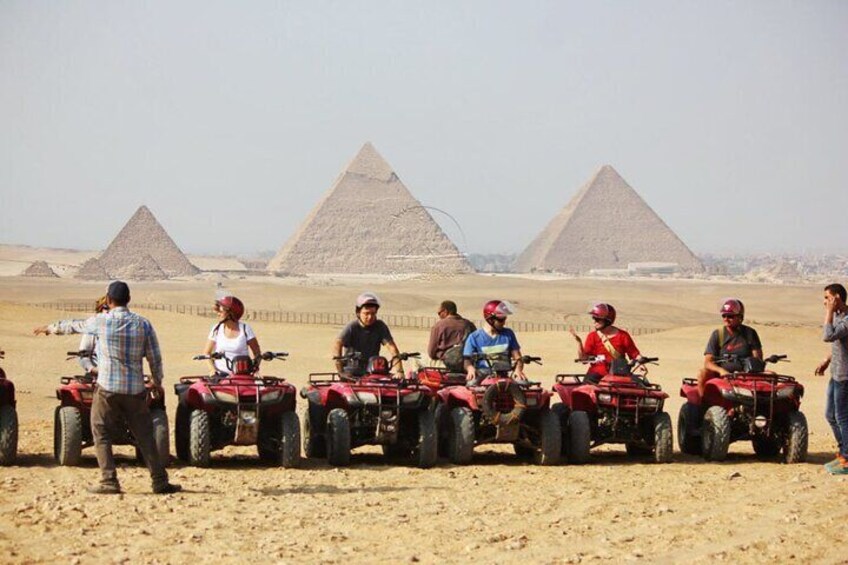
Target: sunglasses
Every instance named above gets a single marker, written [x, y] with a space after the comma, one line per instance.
[729, 316]
[598, 319]
[496, 319]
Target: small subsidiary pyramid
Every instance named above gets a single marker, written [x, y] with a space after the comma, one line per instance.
[606, 225]
[368, 222]
[144, 235]
[92, 270]
[39, 269]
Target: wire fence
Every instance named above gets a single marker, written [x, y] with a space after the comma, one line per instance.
[324, 318]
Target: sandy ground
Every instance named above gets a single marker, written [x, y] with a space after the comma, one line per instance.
[496, 510]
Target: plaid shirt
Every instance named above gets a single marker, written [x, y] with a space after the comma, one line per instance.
[123, 339]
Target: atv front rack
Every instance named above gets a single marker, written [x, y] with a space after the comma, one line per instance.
[387, 381]
[81, 379]
[229, 380]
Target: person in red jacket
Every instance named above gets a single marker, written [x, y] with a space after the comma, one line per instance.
[606, 343]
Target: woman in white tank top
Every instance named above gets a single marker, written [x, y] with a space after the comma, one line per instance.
[229, 336]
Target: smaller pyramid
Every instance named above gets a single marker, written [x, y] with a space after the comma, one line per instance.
[92, 270]
[144, 235]
[786, 272]
[39, 269]
[145, 269]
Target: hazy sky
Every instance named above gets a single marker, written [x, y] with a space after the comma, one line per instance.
[231, 119]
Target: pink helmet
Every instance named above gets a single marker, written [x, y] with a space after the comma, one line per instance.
[497, 309]
[604, 312]
[733, 307]
[233, 305]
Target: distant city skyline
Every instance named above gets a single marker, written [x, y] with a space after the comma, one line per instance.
[231, 122]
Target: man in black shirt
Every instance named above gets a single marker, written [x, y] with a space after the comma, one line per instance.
[365, 335]
[734, 339]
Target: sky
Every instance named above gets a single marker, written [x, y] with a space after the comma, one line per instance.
[230, 120]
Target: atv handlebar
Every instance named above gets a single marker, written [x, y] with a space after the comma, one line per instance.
[775, 359]
[632, 363]
[81, 354]
[271, 355]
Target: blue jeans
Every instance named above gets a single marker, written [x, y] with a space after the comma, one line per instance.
[836, 413]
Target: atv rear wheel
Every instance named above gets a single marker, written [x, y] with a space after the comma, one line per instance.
[182, 432]
[715, 434]
[687, 423]
[550, 444]
[160, 435]
[200, 440]
[314, 442]
[461, 444]
[427, 451]
[8, 434]
[765, 447]
[663, 441]
[289, 454]
[67, 435]
[443, 425]
[338, 438]
[561, 411]
[795, 449]
[579, 437]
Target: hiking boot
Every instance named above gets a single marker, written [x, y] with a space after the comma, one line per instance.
[167, 488]
[104, 488]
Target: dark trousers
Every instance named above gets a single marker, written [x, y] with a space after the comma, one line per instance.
[836, 413]
[109, 410]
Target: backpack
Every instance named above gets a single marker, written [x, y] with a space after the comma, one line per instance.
[453, 359]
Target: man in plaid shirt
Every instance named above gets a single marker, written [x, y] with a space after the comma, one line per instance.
[123, 340]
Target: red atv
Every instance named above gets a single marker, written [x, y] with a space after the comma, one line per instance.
[237, 408]
[347, 411]
[438, 378]
[8, 419]
[501, 409]
[620, 407]
[72, 419]
[750, 404]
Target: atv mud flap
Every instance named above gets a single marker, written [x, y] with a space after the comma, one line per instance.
[507, 433]
[247, 425]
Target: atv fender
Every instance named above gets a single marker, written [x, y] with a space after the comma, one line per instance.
[583, 400]
[690, 393]
[341, 396]
[459, 396]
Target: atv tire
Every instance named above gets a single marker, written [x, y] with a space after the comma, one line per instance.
[579, 437]
[338, 438]
[765, 447]
[461, 441]
[523, 452]
[687, 423]
[715, 434]
[182, 432]
[550, 441]
[314, 442]
[561, 411]
[663, 440]
[67, 435]
[200, 439]
[427, 451]
[795, 449]
[289, 452]
[443, 424]
[161, 441]
[8, 435]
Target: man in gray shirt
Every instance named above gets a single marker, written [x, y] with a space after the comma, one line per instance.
[836, 411]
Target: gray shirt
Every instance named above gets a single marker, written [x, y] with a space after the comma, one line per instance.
[837, 334]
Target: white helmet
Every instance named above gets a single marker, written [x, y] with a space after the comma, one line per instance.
[367, 299]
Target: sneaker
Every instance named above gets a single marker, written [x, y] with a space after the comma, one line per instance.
[835, 463]
[104, 489]
[839, 469]
[167, 488]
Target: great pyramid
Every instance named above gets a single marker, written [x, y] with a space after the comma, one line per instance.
[605, 226]
[143, 235]
[368, 222]
[39, 269]
[92, 270]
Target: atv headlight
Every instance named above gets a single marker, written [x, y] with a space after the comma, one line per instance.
[367, 397]
[271, 396]
[786, 392]
[86, 394]
[225, 397]
[412, 398]
[648, 401]
[744, 392]
[532, 401]
[605, 398]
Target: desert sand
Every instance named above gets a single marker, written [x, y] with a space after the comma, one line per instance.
[614, 509]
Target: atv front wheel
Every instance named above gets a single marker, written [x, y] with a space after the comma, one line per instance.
[443, 425]
[161, 438]
[67, 435]
[290, 440]
[663, 442]
[579, 437]
[8, 434]
[200, 440]
[182, 431]
[461, 444]
[715, 434]
[795, 449]
[427, 450]
[314, 442]
[687, 425]
[550, 444]
[561, 411]
[338, 438]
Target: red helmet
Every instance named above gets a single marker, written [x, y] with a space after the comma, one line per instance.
[497, 309]
[734, 307]
[604, 312]
[233, 305]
